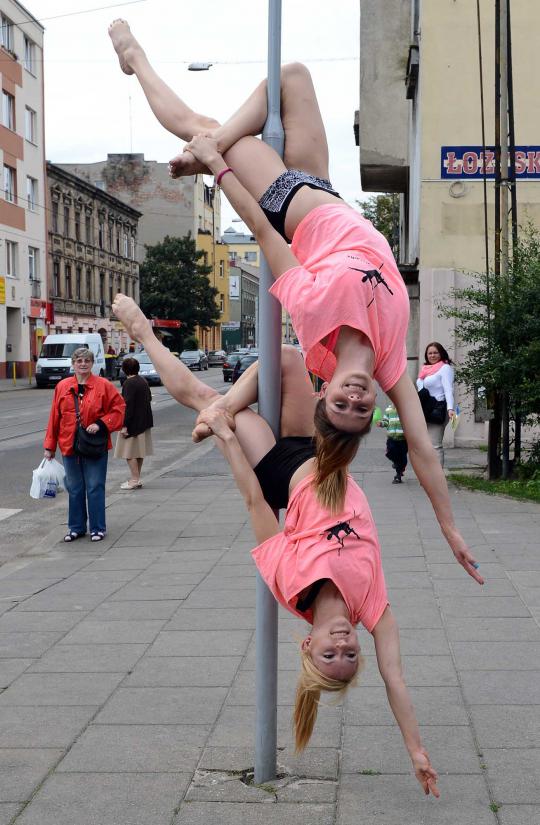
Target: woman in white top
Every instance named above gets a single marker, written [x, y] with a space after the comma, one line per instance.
[437, 377]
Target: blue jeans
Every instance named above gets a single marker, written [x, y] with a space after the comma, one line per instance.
[85, 482]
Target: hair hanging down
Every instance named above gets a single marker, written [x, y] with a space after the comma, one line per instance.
[334, 451]
[308, 692]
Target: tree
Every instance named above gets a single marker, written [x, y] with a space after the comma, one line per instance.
[383, 212]
[498, 321]
[176, 287]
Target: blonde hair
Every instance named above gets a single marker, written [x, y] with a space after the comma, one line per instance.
[308, 692]
[334, 451]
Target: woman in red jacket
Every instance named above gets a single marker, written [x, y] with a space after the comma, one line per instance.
[101, 408]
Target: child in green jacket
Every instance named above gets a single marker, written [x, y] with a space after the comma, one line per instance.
[396, 444]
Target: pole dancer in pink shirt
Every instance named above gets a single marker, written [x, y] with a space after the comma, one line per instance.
[339, 281]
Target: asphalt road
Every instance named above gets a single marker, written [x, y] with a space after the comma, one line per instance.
[23, 419]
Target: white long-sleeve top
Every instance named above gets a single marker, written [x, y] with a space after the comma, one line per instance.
[440, 385]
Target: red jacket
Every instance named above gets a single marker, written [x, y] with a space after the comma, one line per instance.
[100, 400]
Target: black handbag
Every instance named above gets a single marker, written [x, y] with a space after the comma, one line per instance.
[88, 445]
[434, 411]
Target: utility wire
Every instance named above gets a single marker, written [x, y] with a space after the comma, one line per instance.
[19, 23]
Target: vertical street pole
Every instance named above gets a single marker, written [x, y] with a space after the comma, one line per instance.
[266, 634]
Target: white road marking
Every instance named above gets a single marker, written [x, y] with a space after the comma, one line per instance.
[6, 513]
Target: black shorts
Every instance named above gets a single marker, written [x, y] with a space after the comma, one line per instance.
[275, 201]
[275, 470]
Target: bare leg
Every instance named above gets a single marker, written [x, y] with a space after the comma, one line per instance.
[297, 396]
[306, 146]
[305, 140]
[173, 114]
[178, 379]
[134, 469]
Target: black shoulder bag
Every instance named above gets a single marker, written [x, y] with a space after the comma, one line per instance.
[434, 411]
[88, 445]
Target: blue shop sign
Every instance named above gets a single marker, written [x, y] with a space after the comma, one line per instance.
[468, 162]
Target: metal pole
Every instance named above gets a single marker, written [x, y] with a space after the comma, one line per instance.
[266, 634]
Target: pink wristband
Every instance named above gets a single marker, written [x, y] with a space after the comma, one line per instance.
[220, 175]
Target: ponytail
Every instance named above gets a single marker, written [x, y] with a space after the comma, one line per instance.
[308, 692]
[334, 451]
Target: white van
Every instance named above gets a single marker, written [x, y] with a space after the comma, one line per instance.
[54, 362]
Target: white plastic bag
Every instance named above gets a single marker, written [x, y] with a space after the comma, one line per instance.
[47, 479]
[57, 472]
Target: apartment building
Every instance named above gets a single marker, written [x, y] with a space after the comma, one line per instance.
[23, 235]
[93, 241]
[419, 130]
[169, 207]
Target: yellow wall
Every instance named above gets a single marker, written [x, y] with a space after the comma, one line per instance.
[238, 251]
[452, 228]
[217, 257]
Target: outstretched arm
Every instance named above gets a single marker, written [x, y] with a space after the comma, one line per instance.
[262, 517]
[428, 469]
[275, 248]
[386, 637]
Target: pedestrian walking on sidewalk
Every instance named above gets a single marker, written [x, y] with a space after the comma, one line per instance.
[134, 441]
[396, 444]
[98, 406]
[436, 386]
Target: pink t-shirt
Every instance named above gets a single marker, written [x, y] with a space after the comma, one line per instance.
[348, 277]
[310, 548]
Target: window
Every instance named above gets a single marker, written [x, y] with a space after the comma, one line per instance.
[30, 127]
[29, 56]
[56, 278]
[132, 248]
[55, 216]
[102, 287]
[33, 263]
[125, 245]
[117, 239]
[6, 33]
[66, 221]
[111, 237]
[88, 284]
[88, 229]
[31, 193]
[78, 283]
[250, 256]
[11, 259]
[77, 225]
[101, 235]
[221, 302]
[111, 288]
[69, 287]
[8, 110]
[221, 269]
[10, 192]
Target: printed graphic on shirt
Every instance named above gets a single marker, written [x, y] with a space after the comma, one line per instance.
[372, 275]
[341, 527]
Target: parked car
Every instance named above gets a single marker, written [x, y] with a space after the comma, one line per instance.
[216, 358]
[195, 359]
[228, 364]
[242, 364]
[147, 370]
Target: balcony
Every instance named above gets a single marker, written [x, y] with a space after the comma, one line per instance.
[72, 306]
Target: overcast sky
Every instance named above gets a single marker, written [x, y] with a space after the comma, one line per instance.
[87, 97]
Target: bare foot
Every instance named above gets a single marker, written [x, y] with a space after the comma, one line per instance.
[202, 430]
[185, 164]
[125, 45]
[136, 323]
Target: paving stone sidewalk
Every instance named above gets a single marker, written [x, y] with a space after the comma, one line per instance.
[127, 669]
